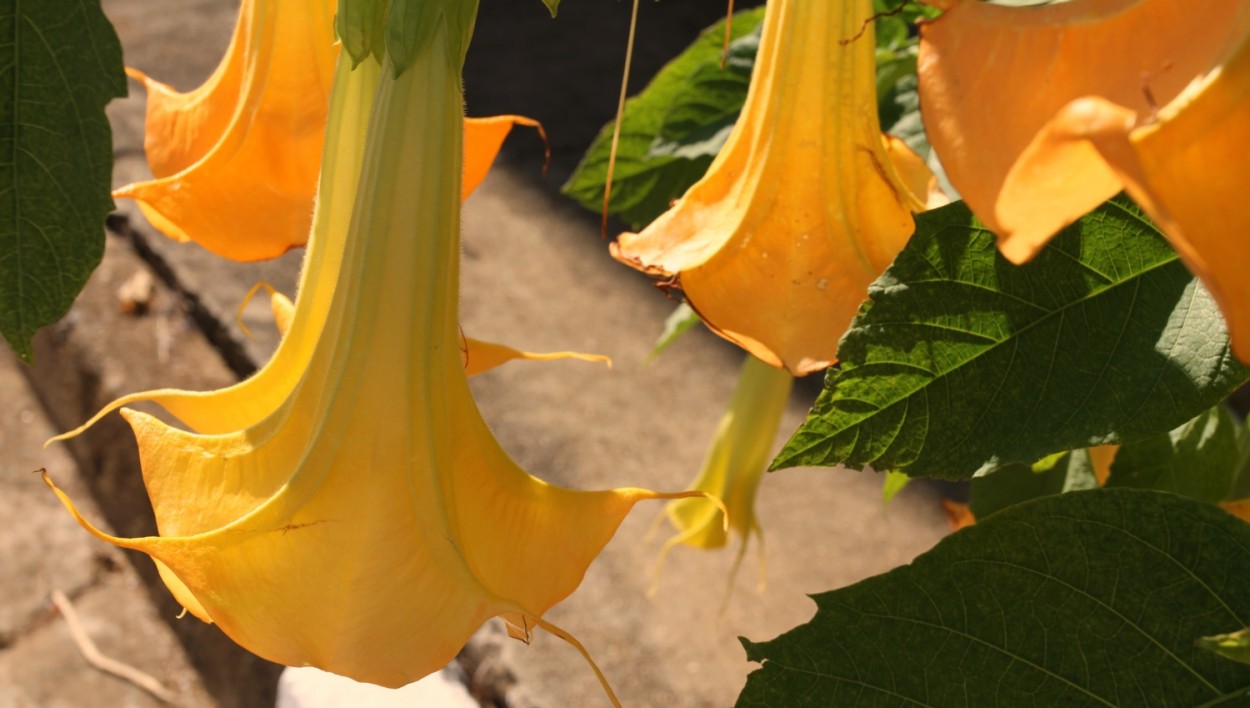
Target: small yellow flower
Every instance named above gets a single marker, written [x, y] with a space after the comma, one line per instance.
[805, 205]
[1040, 114]
[347, 507]
[734, 465]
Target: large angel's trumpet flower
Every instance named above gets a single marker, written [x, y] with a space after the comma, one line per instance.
[1040, 114]
[806, 204]
[236, 160]
[370, 522]
[246, 403]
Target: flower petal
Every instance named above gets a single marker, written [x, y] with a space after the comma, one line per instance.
[734, 465]
[261, 161]
[1190, 176]
[992, 78]
[481, 356]
[483, 137]
[803, 207]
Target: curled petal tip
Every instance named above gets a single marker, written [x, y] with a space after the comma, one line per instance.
[136, 74]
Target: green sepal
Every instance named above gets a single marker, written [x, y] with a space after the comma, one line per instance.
[411, 24]
[361, 27]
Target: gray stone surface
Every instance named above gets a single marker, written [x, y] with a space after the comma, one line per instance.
[92, 356]
[43, 549]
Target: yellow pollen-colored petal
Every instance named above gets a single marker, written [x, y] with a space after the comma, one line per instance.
[806, 203]
[996, 83]
[241, 153]
[734, 465]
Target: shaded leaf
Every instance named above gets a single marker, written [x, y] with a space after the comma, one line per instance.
[60, 63]
[1016, 484]
[962, 362]
[1241, 474]
[1089, 598]
[699, 121]
[1197, 459]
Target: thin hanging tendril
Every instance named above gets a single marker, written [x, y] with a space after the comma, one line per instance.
[251, 293]
[729, 22]
[620, 110]
[603, 680]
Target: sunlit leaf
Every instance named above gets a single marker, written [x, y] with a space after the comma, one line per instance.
[893, 483]
[1088, 598]
[60, 63]
[963, 362]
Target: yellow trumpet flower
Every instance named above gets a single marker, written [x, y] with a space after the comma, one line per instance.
[806, 204]
[1040, 114]
[734, 466]
[348, 508]
[246, 146]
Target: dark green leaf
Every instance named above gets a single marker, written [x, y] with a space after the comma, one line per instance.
[59, 65]
[962, 362]
[899, 105]
[1241, 473]
[1197, 459]
[701, 118]
[1089, 598]
[1016, 484]
[684, 106]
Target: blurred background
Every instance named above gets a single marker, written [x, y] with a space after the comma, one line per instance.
[537, 275]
